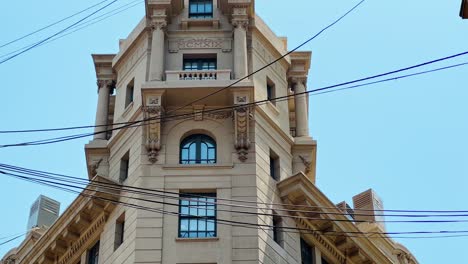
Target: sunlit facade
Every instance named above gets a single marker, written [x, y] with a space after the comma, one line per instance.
[227, 171]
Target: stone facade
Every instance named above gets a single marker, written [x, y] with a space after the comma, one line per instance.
[151, 85]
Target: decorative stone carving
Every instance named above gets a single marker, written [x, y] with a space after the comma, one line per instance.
[158, 19]
[198, 112]
[153, 112]
[106, 83]
[240, 18]
[200, 43]
[306, 163]
[220, 114]
[241, 124]
[94, 166]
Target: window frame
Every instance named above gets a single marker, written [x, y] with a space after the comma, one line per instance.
[274, 166]
[124, 167]
[278, 235]
[119, 231]
[307, 251]
[198, 14]
[195, 196]
[271, 91]
[94, 250]
[197, 139]
[199, 62]
[129, 93]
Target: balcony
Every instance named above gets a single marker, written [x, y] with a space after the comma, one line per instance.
[197, 75]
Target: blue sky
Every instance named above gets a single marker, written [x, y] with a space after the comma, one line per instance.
[407, 139]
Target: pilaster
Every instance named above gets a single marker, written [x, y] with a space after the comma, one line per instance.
[157, 23]
[240, 22]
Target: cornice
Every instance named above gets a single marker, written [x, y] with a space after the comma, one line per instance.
[300, 183]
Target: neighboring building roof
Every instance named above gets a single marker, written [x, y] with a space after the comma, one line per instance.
[464, 9]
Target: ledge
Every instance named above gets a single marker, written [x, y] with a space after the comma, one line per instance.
[198, 166]
[199, 22]
[205, 239]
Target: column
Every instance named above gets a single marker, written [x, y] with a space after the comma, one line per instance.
[240, 21]
[102, 112]
[158, 24]
[300, 101]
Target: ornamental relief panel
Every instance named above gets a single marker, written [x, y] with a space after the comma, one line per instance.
[225, 44]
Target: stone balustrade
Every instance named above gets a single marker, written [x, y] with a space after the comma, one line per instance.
[198, 75]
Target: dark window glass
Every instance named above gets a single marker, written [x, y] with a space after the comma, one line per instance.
[197, 215]
[119, 231]
[277, 232]
[124, 163]
[307, 253]
[93, 254]
[199, 64]
[324, 261]
[274, 166]
[129, 93]
[201, 8]
[198, 149]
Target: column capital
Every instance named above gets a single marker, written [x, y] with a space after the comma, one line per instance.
[240, 18]
[158, 19]
[101, 83]
[299, 79]
[158, 24]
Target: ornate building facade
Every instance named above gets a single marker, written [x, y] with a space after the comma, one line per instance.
[235, 180]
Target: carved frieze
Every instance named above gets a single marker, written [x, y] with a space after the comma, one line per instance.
[224, 44]
[152, 114]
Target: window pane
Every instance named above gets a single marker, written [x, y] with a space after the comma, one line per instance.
[184, 225]
[210, 225]
[208, 8]
[202, 225]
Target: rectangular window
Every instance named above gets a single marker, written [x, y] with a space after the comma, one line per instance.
[119, 231]
[124, 164]
[277, 229]
[274, 166]
[201, 9]
[93, 254]
[197, 215]
[202, 64]
[271, 91]
[307, 253]
[129, 92]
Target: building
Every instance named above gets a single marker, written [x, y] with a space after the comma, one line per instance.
[464, 9]
[44, 211]
[242, 167]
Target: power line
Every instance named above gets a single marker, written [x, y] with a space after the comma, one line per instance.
[82, 25]
[169, 195]
[224, 88]
[50, 25]
[58, 33]
[246, 224]
[276, 60]
[188, 115]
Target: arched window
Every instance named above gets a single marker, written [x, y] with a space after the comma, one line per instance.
[198, 149]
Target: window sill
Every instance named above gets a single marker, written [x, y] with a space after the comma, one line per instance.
[204, 239]
[127, 109]
[199, 22]
[273, 108]
[198, 166]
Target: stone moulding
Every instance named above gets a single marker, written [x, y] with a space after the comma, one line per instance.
[83, 242]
